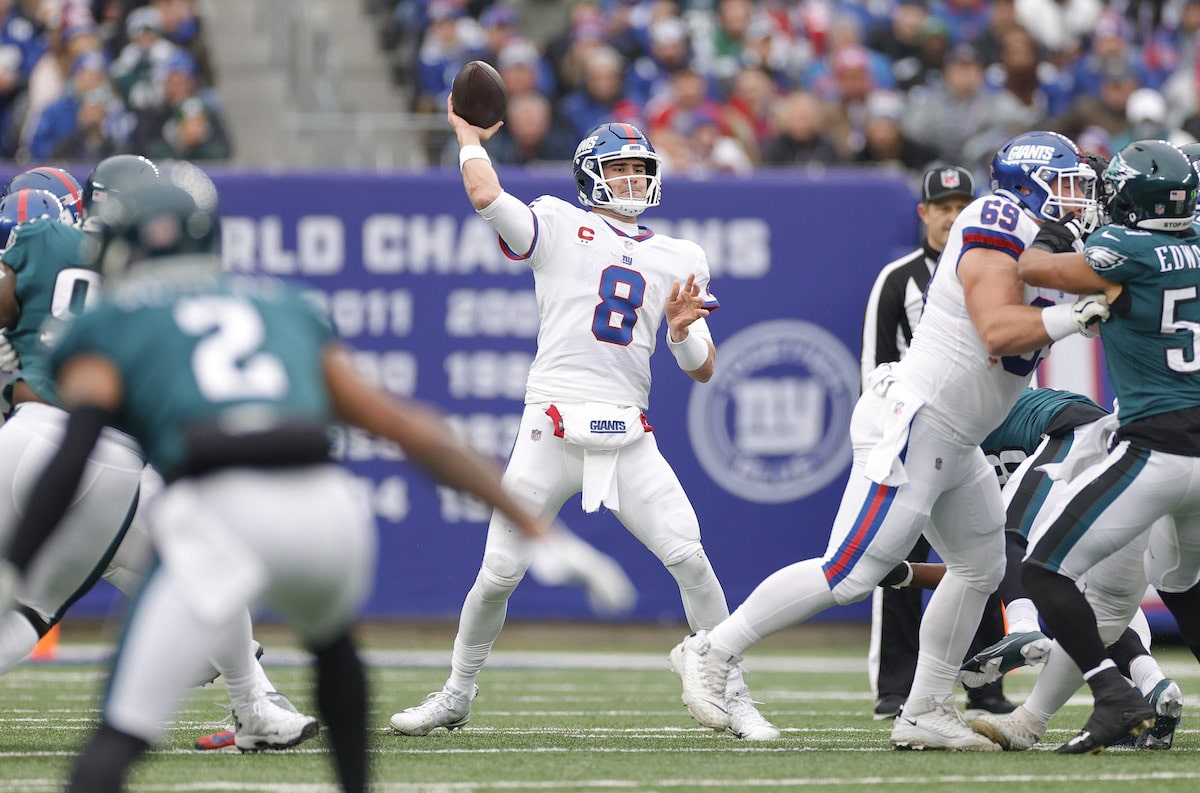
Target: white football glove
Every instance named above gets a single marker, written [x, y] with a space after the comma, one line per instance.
[562, 558]
[1090, 309]
[10, 361]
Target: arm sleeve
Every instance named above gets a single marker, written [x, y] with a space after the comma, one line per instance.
[53, 491]
[513, 221]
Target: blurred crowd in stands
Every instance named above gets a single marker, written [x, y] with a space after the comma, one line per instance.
[739, 85]
[81, 80]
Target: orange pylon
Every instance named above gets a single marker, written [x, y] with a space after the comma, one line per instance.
[47, 647]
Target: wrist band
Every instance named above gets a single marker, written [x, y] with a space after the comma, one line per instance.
[908, 570]
[691, 353]
[1059, 321]
[471, 152]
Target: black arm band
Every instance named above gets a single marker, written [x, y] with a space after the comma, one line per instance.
[897, 575]
[56, 487]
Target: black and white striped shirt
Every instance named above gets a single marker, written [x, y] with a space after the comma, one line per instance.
[894, 307]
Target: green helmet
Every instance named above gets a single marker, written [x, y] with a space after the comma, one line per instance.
[152, 220]
[1153, 186]
[1192, 152]
[112, 175]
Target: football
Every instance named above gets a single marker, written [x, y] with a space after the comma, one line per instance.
[478, 94]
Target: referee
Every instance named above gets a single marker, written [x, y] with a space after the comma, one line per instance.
[892, 313]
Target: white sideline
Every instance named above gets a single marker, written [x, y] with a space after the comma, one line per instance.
[90, 653]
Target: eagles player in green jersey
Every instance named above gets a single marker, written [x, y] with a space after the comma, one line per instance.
[1049, 428]
[1147, 261]
[231, 385]
[52, 267]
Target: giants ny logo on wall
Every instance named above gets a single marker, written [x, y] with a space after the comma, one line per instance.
[773, 424]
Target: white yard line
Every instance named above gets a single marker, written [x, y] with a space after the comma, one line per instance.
[891, 782]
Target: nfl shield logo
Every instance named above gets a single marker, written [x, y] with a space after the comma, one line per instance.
[950, 179]
[535, 435]
[937, 464]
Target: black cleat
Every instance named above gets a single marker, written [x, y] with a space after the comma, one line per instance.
[1116, 715]
[996, 703]
[888, 706]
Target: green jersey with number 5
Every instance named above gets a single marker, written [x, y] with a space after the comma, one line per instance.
[197, 351]
[1152, 340]
[55, 281]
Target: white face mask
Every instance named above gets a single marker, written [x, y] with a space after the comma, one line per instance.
[1072, 190]
[627, 194]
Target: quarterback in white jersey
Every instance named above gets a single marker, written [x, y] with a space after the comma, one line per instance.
[602, 286]
[917, 463]
[605, 286]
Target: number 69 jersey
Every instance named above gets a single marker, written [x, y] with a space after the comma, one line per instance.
[55, 281]
[947, 364]
[601, 296]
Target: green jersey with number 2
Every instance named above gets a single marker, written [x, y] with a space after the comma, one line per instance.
[198, 350]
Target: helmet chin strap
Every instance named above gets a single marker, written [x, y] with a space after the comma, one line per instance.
[620, 214]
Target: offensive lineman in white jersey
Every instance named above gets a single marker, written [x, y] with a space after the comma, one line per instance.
[917, 465]
[604, 287]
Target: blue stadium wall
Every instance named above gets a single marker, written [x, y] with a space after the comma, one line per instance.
[416, 283]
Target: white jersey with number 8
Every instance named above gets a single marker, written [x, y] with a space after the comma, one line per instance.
[601, 292]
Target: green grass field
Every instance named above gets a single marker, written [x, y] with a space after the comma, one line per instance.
[573, 709]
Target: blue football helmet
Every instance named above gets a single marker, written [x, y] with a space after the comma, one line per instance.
[24, 205]
[1046, 173]
[57, 181]
[616, 141]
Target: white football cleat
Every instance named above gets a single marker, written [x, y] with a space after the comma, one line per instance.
[705, 677]
[1012, 732]
[445, 708]
[1167, 700]
[745, 721]
[271, 722]
[926, 723]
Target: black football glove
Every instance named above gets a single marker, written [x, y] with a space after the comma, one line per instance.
[1059, 236]
[1098, 163]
